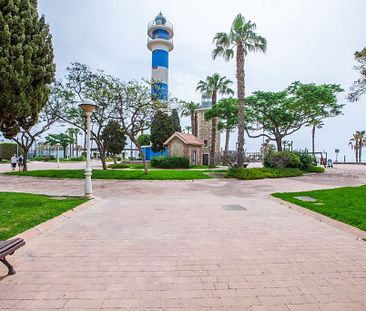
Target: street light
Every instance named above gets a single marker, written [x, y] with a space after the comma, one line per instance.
[58, 155]
[88, 108]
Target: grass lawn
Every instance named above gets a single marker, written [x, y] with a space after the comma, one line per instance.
[119, 174]
[346, 204]
[21, 211]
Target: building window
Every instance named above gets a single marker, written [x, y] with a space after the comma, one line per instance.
[205, 143]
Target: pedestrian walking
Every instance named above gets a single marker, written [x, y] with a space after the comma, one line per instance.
[13, 162]
[20, 162]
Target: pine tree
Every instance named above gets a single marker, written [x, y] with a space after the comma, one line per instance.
[161, 129]
[26, 65]
[175, 120]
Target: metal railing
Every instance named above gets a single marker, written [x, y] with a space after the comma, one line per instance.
[154, 23]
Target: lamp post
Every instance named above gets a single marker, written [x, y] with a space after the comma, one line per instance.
[88, 108]
[58, 155]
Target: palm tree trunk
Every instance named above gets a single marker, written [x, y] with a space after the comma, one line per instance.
[360, 151]
[240, 77]
[313, 140]
[213, 133]
[193, 125]
[356, 152]
[226, 151]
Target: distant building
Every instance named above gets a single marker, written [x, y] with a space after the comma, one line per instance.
[204, 129]
[185, 145]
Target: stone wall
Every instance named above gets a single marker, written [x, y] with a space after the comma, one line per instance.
[176, 148]
[204, 133]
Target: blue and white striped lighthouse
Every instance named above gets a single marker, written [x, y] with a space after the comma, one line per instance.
[160, 43]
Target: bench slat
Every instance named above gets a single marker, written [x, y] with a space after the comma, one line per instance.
[9, 246]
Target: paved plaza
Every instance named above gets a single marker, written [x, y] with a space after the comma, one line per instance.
[159, 245]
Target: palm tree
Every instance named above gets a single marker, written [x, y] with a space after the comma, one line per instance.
[315, 124]
[189, 110]
[213, 86]
[241, 40]
[357, 142]
[227, 112]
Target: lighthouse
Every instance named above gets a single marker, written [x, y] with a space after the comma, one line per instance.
[160, 43]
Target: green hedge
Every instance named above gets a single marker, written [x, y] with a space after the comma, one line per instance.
[44, 158]
[80, 158]
[315, 169]
[261, 173]
[118, 166]
[7, 150]
[169, 162]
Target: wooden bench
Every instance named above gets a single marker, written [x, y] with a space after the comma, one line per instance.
[8, 248]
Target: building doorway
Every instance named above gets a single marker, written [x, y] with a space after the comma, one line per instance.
[205, 159]
[194, 158]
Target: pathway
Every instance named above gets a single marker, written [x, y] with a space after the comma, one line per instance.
[172, 246]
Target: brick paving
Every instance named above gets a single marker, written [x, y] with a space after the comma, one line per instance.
[172, 246]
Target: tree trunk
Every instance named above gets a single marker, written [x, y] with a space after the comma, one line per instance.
[240, 77]
[146, 169]
[360, 153]
[102, 156]
[213, 133]
[226, 151]
[65, 153]
[279, 143]
[25, 158]
[76, 143]
[193, 125]
[114, 159]
[313, 140]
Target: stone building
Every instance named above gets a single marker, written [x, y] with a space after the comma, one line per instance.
[185, 145]
[203, 129]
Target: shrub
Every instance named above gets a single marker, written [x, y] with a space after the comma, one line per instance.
[7, 150]
[118, 166]
[169, 162]
[44, 158]
[281, 159]
[315, 169]
[261, 173]
[81, 158]
[306, 160]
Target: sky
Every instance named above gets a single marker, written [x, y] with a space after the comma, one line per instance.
[308, 41]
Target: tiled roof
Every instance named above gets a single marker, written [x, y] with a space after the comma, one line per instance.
[188, 139]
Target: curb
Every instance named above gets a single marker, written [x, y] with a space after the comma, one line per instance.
[358, 233]
[45, 226]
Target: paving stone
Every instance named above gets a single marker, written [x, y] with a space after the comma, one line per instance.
[170, 245]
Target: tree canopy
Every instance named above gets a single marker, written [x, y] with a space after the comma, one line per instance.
[359, 86]
[175, 120]
[113, 137]
[276, 115]
[162, 128]
[26, 65]
[144, 139]
[61, 139]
